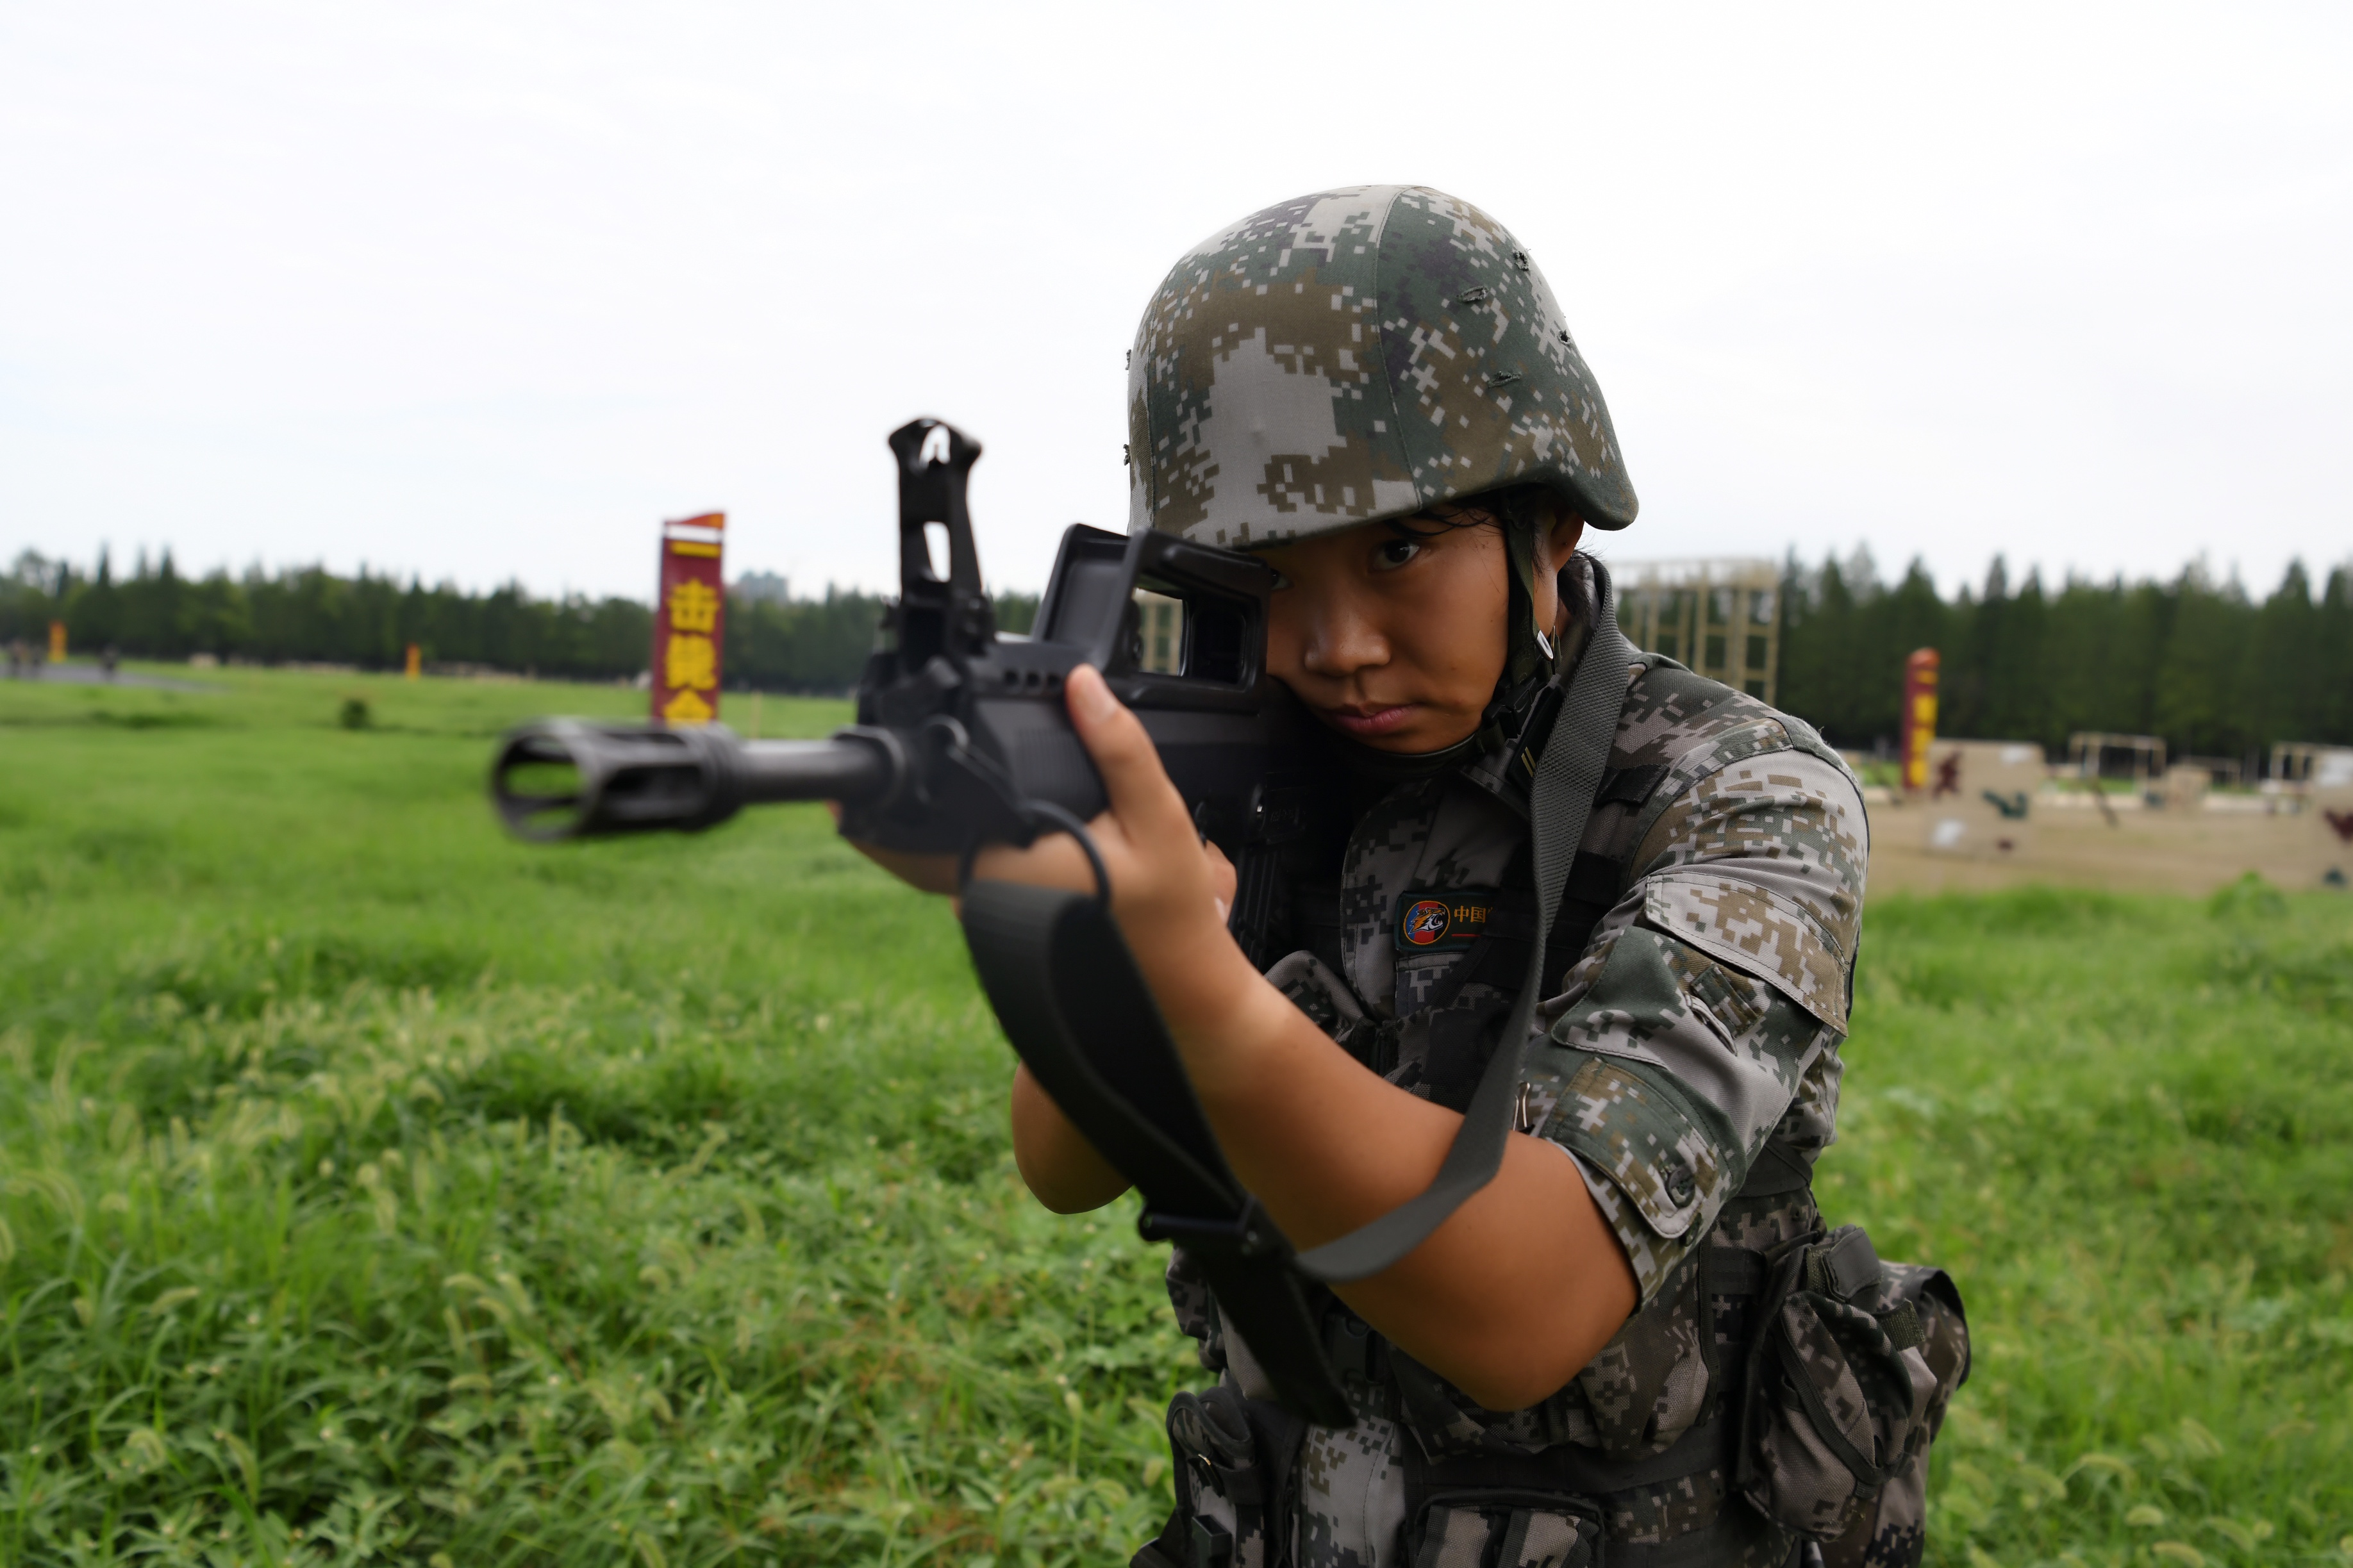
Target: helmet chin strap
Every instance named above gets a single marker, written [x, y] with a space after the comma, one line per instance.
[1531, 650]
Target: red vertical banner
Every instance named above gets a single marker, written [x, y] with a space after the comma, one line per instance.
[689, 620]
[1919, 723]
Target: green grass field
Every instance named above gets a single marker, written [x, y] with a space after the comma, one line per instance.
[376, 1190]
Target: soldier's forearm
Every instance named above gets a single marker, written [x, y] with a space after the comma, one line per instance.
[1060, 1168]
[1514, 1293]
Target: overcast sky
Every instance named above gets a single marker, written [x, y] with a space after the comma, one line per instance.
[486, 291]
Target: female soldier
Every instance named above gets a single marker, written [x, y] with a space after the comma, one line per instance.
[1373, 390]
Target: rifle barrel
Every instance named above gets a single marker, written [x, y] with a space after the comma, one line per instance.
[568, 778]
[812, 769]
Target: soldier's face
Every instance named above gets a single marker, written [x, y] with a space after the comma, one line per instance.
[1398, 638]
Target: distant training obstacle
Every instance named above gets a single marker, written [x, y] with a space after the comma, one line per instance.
[2328, 807]
[2185, 787]
[1977, 798]
[2099, 754]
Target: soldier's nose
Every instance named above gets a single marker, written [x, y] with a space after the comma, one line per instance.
[1344, 646]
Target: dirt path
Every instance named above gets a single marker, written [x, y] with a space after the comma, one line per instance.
[2146, 851]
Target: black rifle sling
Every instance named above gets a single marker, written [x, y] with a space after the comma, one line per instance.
[1560, 799]
[1075, 1007]
[1068, 992]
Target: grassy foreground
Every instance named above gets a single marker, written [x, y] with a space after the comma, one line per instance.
[372, 1189]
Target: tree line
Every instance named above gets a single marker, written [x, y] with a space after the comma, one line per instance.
[2205, 666]
[2212, 669]
[307, 614]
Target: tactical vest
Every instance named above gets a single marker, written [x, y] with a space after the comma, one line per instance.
[1665, 1451]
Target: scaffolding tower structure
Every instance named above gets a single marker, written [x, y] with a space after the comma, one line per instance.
[1720, 616]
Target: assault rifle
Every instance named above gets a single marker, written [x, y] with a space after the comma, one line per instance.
[961, 737]
[962, 740]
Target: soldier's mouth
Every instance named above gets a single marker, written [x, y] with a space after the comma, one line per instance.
[1365, 721]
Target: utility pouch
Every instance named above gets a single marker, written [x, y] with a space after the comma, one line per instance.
[1841, 1397]
[1486, 1528]
[1892, 1530]
[1234, 1458]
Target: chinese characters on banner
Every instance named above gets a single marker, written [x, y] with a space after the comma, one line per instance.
[1919, 723]
[689, 620]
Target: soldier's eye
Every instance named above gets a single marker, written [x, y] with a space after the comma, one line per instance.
[1281, 582]
[1393, 553]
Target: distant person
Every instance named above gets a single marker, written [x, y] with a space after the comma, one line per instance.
[1373, 390]
[108, 659]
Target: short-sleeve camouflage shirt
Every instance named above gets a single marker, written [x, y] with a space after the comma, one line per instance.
[1706, 1010]
[1701, 1020]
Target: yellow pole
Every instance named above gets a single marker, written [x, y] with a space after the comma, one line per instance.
[416, 665]
[1919, 715]
[56, 642]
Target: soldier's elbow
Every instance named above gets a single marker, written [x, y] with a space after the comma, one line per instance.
[1506, 1377]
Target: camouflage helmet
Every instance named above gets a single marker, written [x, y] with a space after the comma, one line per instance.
[1352, 355]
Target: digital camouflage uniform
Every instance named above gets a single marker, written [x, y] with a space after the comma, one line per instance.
[1360, 354]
